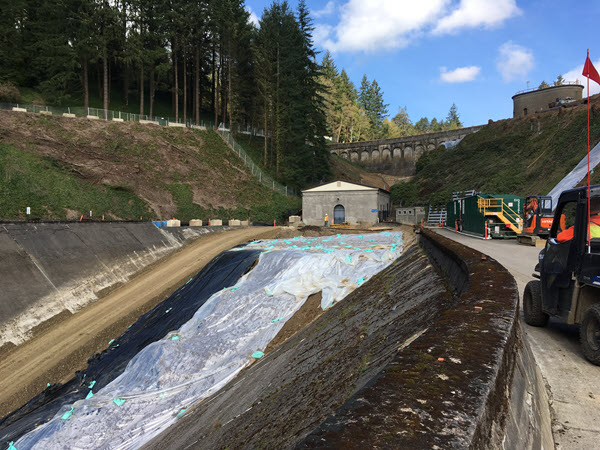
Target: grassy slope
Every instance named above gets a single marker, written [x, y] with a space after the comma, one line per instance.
[66, 167]
[510, 156]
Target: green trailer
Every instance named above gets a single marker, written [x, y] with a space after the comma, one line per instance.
[491, 215]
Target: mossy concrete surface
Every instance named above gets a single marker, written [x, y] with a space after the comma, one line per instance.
[467, 382]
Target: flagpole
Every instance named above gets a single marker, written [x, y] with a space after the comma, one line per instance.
[588, 159]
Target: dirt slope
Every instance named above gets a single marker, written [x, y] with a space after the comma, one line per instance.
[174, 171]
[54, 355]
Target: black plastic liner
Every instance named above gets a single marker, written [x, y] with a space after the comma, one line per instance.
[223, 271]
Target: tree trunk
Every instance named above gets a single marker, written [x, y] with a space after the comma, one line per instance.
[185, 75]
[152, 93]
[215, 96]
[99, 78]
[176, 82]
[86, 88]
[230, 89]
[197, 87]
[223, 92]
[126, 85]
[105, 87]
[277, 124]
[214, 81]
[265, 160]
[141, 90]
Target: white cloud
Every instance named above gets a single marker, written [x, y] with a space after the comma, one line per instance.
[253, 17]
[327, 10]
[477, 13]
[380, 24]
[460, 74]
[575, 74]
[514, 61]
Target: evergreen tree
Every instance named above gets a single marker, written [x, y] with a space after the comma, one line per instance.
[559, 81]
[543, 85]
[453, 119]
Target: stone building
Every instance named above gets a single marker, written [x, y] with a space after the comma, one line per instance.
[345, 202]
[530, 102]
[411, 215]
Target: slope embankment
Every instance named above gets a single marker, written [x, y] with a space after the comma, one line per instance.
[58, 268]
[522, 156]
[65, 167]
[402, 362]
[93, 253]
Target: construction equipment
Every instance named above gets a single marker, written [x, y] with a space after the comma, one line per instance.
[537, 216]
[568, 271]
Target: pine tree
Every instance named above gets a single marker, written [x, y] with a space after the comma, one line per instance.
[453, 119]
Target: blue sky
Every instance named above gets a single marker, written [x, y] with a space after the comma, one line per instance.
[427, 54]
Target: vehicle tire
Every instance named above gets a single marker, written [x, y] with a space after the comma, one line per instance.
[532, 305]
[589, 334]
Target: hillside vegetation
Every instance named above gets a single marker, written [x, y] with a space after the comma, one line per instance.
[63, 168]
[524, 156]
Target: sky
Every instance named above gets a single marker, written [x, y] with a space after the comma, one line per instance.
[428, 54]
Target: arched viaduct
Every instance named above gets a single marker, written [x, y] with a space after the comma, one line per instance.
[397, 156]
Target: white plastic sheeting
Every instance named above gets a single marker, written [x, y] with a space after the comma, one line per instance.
[171, 375]
[576, 175]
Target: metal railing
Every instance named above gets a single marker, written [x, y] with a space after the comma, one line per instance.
[256, 171]
[436, 215]
[564, 83]
[101, 114]
[497, 206]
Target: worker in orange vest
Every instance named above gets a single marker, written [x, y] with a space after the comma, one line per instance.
[326, 220]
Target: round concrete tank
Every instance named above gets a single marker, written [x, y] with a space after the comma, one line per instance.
[525, 103]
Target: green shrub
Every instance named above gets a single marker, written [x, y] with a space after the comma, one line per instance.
[9, 93]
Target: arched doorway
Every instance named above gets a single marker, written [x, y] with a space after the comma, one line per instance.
[339, 215]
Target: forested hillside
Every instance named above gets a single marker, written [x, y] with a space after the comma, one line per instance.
[204, 56]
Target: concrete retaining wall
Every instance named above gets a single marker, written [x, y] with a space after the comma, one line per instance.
[480, 386]
[49, 268]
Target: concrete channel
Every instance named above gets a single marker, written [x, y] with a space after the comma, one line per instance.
[429, 353]
[419, 357]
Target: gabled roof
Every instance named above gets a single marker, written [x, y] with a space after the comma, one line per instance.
[339, 185]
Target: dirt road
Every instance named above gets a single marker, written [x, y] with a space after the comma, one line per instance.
[574, 383]
[54, 355]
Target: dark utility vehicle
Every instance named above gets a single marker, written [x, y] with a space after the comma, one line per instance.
[568, 271]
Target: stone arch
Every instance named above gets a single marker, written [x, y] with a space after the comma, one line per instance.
[398, 153]
[375, 155]
[386, 154]
[430, 146]
[408, 152]
[354, 156]
[419, 149]
[344, 155]
[364, 155]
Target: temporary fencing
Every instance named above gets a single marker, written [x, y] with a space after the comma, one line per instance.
[102, 114]
[229, 331]
[256, 171]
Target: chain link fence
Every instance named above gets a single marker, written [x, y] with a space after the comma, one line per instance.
[256, 171]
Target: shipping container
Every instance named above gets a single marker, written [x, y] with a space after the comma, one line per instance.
[501, 214]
